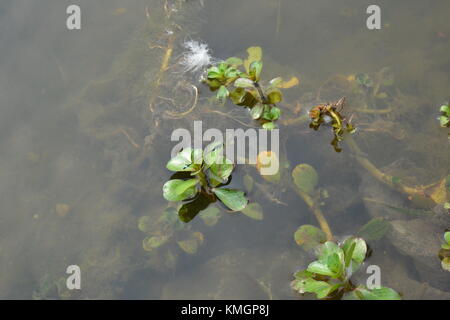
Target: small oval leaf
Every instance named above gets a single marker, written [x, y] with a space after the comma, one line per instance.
[244, 83]
[233, 199]
[254, 211]
[178, 190]
[305, 178]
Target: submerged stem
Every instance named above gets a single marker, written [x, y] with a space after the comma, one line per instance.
[203, 181]
[317, 213]
[378, 174]
[261, 93]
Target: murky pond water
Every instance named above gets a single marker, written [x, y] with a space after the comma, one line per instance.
[86, 121]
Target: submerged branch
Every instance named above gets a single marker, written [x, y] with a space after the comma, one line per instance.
[164, 66]
[317, 213]
[387, 179]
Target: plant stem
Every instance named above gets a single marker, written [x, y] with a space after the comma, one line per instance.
[317, 213]
[379, 175]
[261, 93]
[164, 66]
[203, 181]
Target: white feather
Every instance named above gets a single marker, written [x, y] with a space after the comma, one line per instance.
[196, 57]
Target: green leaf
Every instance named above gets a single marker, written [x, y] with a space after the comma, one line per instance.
[234, 62]
[170, 218]
[145, 223]
[222, 94]
[233, 199]
[269, 126]
[244, 83]
[303, 274]
[178, 190]
[190, 246]
[445, 263]
[374, 230]
[445, 109]
[305, 178]
[334, 263]
[320, 288]
[272, 113]
[255, 70]
[304, 283]
[151, 243]
[331, 260]
[275, 96]
[237, 96]
[231, 73]
[360, 250]
[219, 172]
[447, 237]
[327, 249]
[185, 160]
[189, 210]
[254, 54]
[210, 216]
[348, 254]
[214, 73]
[213, 152]
[320, 268]
[444, 121]
[364, 80]
[257, 111]
[222, 66]
[254, 211]
[381, 293]
[309, 237]
[197, 156]
[213, 84]
[275, 82]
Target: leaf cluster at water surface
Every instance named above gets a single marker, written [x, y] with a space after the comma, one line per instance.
[444, 118]
[329, 276]
[244, 89]
[444, 253]
[209, 171]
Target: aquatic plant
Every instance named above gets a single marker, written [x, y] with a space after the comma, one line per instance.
[239, 80]
[305, 180]
[49, 288]
[444, 118]
[423, 196]
[444, 253]
[168, 232]
[309, 237]
[328, 114]
[209, 170]
[446, 245]
[329, 277]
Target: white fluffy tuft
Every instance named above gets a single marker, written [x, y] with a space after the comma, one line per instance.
[197, 56]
